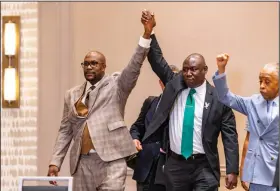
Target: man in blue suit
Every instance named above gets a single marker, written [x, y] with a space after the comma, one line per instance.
[262, 111]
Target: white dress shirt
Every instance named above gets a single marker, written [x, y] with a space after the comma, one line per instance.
[177, 118]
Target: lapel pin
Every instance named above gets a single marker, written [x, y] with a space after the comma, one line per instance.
[206, 105]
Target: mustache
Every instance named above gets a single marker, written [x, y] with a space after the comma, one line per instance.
[189, 78]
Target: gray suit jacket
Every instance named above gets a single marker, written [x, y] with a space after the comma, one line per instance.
[105, 118]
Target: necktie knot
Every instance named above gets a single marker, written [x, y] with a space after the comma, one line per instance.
[192, 91]
[89, 90]
[87, 94]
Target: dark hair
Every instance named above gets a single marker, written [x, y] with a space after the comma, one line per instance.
[174, 68]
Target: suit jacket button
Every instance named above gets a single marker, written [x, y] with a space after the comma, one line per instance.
[255, 154]
[258, 121]
[261, 138]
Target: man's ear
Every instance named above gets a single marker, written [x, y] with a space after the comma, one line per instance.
[206, 68]
[103, 67]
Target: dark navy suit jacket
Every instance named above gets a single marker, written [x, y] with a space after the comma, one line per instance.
[151, 147]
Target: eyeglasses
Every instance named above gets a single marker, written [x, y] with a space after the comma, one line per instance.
[92, 64]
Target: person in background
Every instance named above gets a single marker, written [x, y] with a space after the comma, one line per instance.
[149, 151]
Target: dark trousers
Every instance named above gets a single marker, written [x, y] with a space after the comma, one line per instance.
[149, 187]
[149, 184]
[194, 174]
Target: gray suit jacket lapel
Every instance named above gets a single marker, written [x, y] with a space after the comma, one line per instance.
[95, 92]
[77, 93]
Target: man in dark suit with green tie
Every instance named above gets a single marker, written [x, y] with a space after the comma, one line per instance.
[195, 119]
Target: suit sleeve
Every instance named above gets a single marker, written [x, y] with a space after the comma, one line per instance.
[233, 101]
[65, 135]
[129, 76]
[137, 129]
[276, 176]
[230, 141]
[158, 63]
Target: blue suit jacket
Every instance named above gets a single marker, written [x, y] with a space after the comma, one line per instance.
[260, 161]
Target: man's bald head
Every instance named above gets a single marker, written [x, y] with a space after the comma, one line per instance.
[197, 56]
[269, 81]
[96, 54]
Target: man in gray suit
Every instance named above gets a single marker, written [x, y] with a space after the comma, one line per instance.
[262, 111]
[93, 118]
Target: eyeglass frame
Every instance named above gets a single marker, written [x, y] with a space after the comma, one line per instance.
[92, 64]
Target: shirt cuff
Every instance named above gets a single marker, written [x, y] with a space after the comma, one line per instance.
[218, 76]
[145, 43]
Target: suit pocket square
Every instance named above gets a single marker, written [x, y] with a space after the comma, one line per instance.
[115, 125]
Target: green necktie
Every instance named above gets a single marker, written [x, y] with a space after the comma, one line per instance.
[187, 136]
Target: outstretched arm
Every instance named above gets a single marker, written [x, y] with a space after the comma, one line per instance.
[155, 56]
[233, 101]
[158, 62]
[129, 76]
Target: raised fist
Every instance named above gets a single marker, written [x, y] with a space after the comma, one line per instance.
[222, 60]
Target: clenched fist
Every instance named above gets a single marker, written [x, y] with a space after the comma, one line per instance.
[222, 60]
[137, 144]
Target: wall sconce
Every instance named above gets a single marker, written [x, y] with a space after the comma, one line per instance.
[10, 61]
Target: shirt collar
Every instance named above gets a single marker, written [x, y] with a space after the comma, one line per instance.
[201, 89]
[275, 100]
[88, 86]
